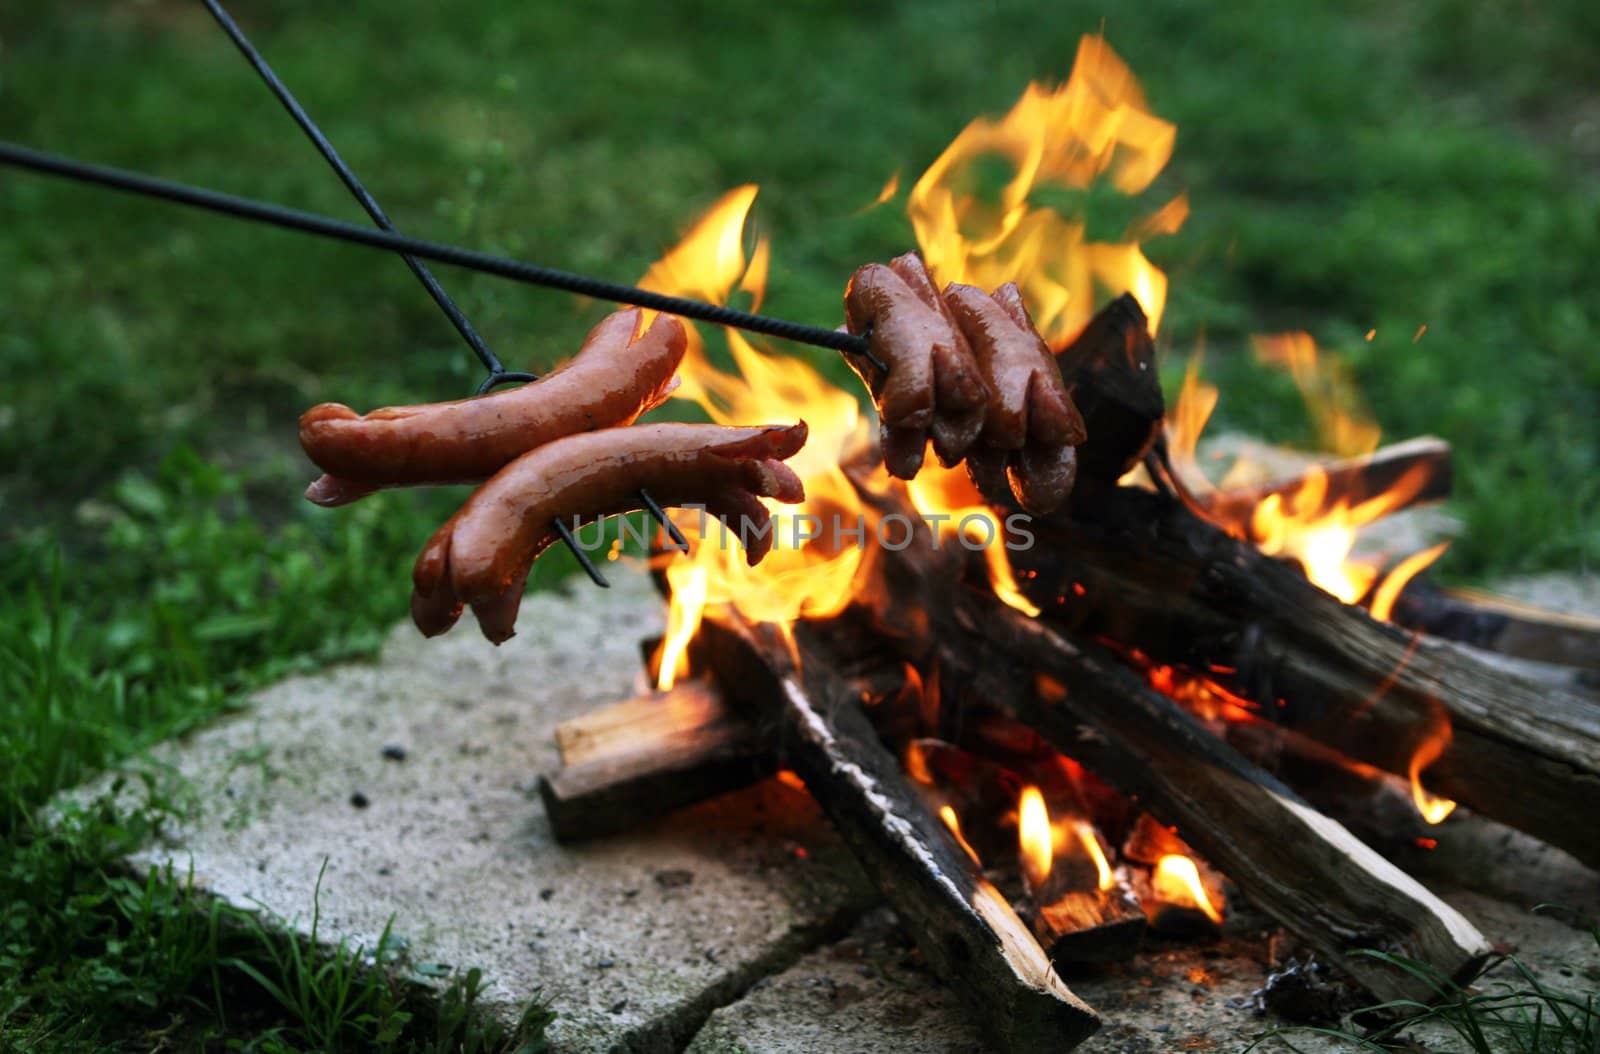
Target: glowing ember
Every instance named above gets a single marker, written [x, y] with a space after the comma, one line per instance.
[948, 815]
[1034, 837]
[1067, 138]
[1176, 880]
[791, 779]
[1091, 845]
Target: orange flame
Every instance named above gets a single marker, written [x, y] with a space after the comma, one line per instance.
[804, 575]
[1034, 836]
[947, 498]
[948, 815]
[1342, 422]
[1176, 880]
[1386, 594]
[1055, 139]
[1432, 808]
[1091, 845]
[688, 582]
[1314, 524]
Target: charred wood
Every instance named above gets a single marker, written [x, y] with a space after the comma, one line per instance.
[1300, 867]
[966, 930]
[1140, 569]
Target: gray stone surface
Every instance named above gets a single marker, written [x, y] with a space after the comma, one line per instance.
[634, 939]
[1578, 594]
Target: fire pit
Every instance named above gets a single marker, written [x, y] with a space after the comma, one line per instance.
[1042, 736]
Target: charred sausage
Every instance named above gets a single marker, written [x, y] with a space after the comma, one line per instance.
[481, 555]
[1031, 426]
[933, 388]
[611, 381]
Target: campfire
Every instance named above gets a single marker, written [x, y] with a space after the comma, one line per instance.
[1045, 736]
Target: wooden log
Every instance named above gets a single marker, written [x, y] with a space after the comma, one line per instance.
[1302, 868]
[967, 931]
[1111, 367]
[1092, 926]
[1138, 568]
[1354, 478]
[648, 756]
[1501, 624]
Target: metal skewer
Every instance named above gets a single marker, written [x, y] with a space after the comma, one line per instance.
[497, 371]
[518, 270]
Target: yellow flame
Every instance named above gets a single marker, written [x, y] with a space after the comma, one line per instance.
[948, 815]
[917, 764]
[1196, 401]
[688, 582]
[803, 576]
[1096, 126]
[1385, 595]
[1176, 880]
[1432, 808]
[1314, 524]
[891, 187]
[1034, 836]
[1091, 845]
[947, 497]
[1343, 424]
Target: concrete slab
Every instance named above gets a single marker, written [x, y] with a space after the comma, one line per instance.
[412, 778]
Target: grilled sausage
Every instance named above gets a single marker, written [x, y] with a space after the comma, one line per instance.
[933, 387]
[481, 555]
[611, 381]
[1031, 426]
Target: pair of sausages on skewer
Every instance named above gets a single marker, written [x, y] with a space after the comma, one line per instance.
[550, 451]
[968, 371]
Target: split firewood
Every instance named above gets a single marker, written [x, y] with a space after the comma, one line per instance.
[636, 760]
[1140, 569]
[1302, 868]
[966, 929]
[1088, 926]
[1501, 624]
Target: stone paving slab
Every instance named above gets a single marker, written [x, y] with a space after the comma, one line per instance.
[412, 778]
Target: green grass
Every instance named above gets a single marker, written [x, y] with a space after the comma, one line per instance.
[1508, 1010]
[1350, 168]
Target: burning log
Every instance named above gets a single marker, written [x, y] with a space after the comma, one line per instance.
[1112, 368]
[1089, 926]
[967, 931]
[1140, 569]
[1425, 458]
[648, 756]
[1302, 868]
